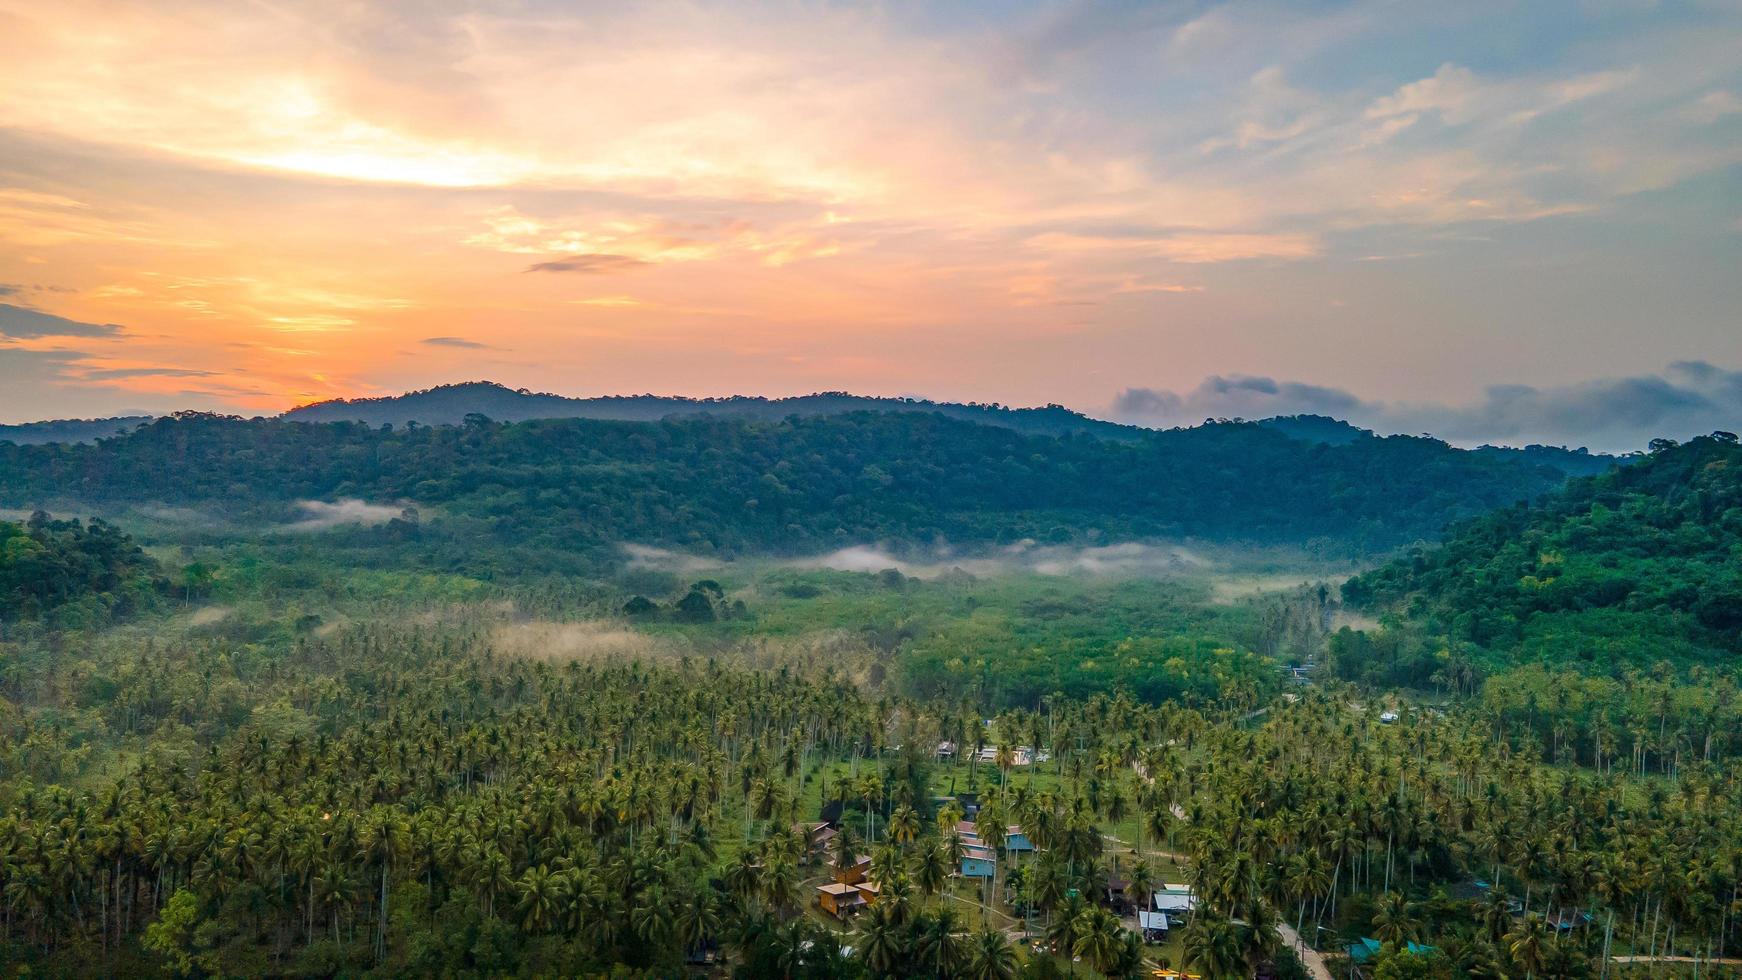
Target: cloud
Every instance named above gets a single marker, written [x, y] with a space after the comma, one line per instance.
[593, 264]
[459, 342]
[114, 374]
[20, 323]
[1234, 396]
[1617, 414]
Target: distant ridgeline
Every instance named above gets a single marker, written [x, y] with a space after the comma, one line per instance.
[724, 485]
[450, 404]
[80, 573]
[1640, 565]
[70, 430]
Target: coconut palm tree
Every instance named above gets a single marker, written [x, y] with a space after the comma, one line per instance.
[990, 957]
[1098, 938]
[1529, 943]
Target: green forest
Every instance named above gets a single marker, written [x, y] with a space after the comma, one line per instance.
[1380, 707]
[569, 489]
[1621, 571]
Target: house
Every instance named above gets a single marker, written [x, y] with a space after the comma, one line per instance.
[822, 839]
[868, 892]
[1175, 900]
[978, 861]
[946, 750]
[816, 834]
[839, 899]
[1116, 888]
[1387, 717]
[1016, 840]
[853, 873]
[1153, 926]
[1021, 755]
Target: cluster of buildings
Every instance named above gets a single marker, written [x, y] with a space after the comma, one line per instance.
[1021, 755]
[850, 890]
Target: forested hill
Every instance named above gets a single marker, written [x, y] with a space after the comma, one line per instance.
[82, 572]
[450, 404]
[1638, 565]
[796, 485]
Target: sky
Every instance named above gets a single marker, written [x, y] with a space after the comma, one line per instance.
[1504, 222]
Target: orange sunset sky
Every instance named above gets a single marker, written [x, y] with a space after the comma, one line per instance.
[1478, 218]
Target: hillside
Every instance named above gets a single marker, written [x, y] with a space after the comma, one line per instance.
[450, 404]
[1641, 564]
[794, 486]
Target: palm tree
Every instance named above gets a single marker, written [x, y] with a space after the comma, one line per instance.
[1143, 882]
[1529, 944]
[697, 918]
[540, 896]
[1212, 945]
[1061, 932]
[880, 941]
[1395, 922]
[938, 948]
[1097, 939]
[931, 868]
[991, 957]
[903, 825]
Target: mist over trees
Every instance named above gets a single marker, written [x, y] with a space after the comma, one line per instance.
[718, 486]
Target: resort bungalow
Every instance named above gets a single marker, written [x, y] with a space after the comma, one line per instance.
[853, 873]
[839, 900]
[978, 861]
[816, 834]
[1016, 840]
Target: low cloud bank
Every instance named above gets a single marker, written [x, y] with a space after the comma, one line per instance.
[318, 515]
[1609, 414]
[1129, 558]
[664, 560]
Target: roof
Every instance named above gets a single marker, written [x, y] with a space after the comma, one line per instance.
[979, 853]
[837, 890]
[1172, 899]
[1152, 920]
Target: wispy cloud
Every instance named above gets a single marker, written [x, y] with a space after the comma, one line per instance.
[598, 262]
[458, 342]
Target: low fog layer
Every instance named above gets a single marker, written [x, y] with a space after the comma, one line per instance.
[1127, 558]
[318, 515]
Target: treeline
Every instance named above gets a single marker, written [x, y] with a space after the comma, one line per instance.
[1622, 570]
[803, 484]
[79, 573]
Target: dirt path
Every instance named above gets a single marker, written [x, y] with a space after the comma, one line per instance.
[1310, 957]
